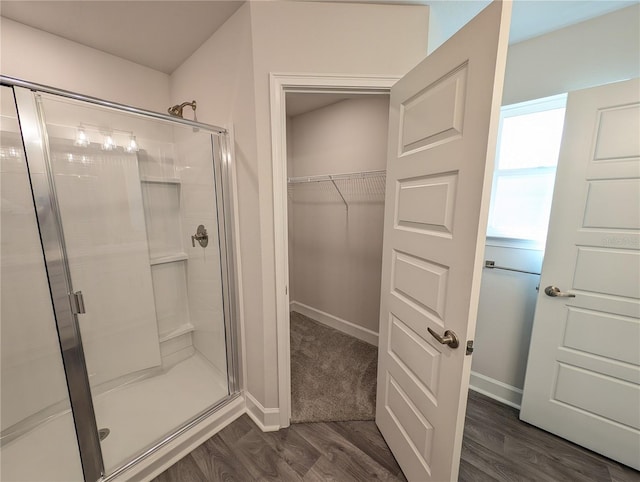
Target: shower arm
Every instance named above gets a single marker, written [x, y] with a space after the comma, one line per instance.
[176, 110]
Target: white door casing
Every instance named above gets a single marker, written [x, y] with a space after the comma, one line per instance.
[442, 137]
[583, 372]
[280, 85]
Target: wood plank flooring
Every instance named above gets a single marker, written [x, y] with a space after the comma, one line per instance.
[496, 447]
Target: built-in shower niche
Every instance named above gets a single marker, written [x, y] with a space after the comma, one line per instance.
[161, 192]
[179, 194]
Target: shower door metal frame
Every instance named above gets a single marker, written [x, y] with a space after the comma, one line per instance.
[59, 277]
[33, 131]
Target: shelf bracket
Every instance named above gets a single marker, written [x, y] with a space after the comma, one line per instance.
[341, 196]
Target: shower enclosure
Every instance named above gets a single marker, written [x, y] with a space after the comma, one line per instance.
[117, 302]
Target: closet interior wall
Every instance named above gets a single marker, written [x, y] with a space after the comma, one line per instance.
[335, 244]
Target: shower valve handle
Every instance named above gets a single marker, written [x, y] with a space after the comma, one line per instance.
[201, 236]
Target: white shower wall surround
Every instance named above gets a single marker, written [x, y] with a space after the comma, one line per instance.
[102, 213]
[197, 195]
[157, 327]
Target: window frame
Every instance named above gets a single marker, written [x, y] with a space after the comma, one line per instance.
[558, 101]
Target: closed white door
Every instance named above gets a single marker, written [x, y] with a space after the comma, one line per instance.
[442, 135]
[583, 373]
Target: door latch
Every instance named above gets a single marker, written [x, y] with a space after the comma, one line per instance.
[469, 347]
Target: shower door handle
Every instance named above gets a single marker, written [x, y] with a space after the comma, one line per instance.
[77, 303]
[201, 236]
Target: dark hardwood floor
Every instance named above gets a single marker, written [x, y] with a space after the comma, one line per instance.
[496, 446]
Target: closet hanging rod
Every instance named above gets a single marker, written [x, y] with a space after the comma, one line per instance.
[337, 177]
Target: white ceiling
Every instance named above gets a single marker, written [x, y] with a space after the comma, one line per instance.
[158, 34]
[163, 34]
[530, 18]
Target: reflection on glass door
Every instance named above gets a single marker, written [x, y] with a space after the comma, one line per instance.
[131, 193]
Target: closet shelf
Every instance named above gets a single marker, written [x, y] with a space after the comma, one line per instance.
[349, 185]
[338, 177]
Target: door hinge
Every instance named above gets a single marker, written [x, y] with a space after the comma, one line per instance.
[77, 303]
[469, 347]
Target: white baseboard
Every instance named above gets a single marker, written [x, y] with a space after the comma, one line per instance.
[495, 389]
[168, 455]
[267, 419]
[339, 324]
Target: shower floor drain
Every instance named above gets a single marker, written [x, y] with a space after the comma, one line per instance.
[103, 433]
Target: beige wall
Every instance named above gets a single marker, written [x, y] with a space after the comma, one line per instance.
[348, 136]
[601, 50]
[336, 256]
[317, 38]
[505, 317]
[36, 56]
[230, 80]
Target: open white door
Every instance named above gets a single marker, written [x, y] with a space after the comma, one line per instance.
[442, 135]
[583, 373]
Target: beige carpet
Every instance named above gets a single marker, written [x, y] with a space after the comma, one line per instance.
[333, 375]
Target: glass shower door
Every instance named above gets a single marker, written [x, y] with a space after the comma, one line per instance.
[34, 402]
[138, 212]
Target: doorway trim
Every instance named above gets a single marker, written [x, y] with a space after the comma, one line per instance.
[279, 85]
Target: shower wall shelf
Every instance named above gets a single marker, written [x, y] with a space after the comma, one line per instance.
[171, 258]
[376, 177]
[181, 330]
[161, 180]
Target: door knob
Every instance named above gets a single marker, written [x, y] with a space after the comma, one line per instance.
[449, 338]
[554, 292]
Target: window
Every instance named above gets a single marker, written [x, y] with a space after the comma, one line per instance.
[528, 146]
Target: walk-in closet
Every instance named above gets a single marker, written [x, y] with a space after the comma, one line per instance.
[336, 160]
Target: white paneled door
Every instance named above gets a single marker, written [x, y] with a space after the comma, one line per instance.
[442, 135]
[583, 373]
